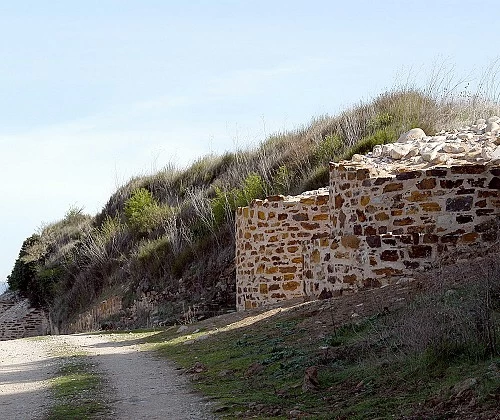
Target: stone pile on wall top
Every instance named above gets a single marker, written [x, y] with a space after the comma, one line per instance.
[475, 144]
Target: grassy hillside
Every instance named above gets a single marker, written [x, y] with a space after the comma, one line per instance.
[173, 232]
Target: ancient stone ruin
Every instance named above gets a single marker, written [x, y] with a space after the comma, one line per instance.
[405, 206]
[18, 319]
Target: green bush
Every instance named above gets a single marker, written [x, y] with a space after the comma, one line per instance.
[143, 214]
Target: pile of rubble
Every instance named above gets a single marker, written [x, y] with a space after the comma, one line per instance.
[475, 144]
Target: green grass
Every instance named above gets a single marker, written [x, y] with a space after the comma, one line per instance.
[78, 390]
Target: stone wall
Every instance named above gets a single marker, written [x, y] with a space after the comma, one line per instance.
[270, 236]
[385, 228]
[373, 231]
[18, 319]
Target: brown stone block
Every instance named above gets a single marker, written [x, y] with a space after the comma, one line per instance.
[342, 255]
[350, 241]
[315, 256]
[292, 249]
[487, 194]
[262, 224]
[309, 226]
[380, 181]
[404, 222]
[468, 169]
[248, 246]
[362, 174]
[324, 242]
[279, 250]
[282, 216]
[373, 241]
[484, 212]
[480, 203]
[273, 238]
[322, 200]
[420, 251]
[469, 237]
[402, 176]
[261, 215]
[345, 186]
[263, 288]
[273, 287]
[334, 245]
[427, 184]
[288, 277]
[387, 271]
[339, 201]
[373, 261]
[271, 215]
[437, 172]
[291, 285]
[395, 186]
[381, 216]
[350, 279]
[271, 270]
[361, 217]
[248, 304]
[417, 196]
[245, 212]
[278, 296]
[430, 238]
[298, 260]
[247, 235]
[389, 255]
[370, 230]
[309, 201]
[320, 217]
[351, 176]
[430, 206]
[364, 200]
[285, 270]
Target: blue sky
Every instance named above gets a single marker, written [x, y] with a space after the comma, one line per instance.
[95, 92]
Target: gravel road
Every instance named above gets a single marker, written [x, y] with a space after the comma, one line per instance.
[141, 386]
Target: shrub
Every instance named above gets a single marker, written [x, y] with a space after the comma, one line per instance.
[143, 213]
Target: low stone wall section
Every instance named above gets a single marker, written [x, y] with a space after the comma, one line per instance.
[18, 319]
[270, 239]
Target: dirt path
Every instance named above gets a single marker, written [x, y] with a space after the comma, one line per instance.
[145, 387]
[142, 386]
[25, 370]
